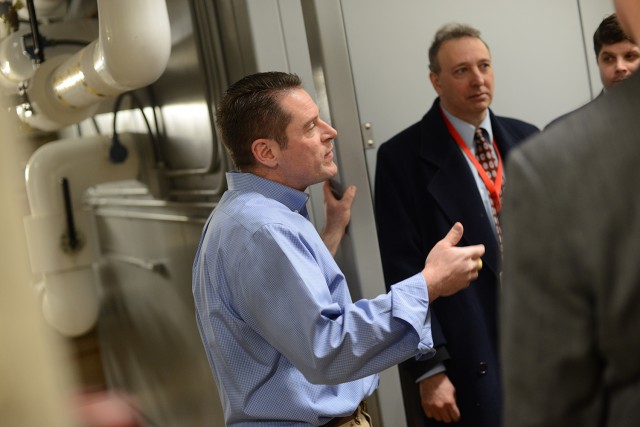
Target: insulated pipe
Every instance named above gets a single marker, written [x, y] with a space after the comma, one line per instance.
[15, 64]
[132, 51]
[69, 278]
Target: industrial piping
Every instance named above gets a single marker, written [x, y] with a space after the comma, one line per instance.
[61, 234]
[132, 51]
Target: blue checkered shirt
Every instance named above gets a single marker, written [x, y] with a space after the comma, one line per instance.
[286, 344]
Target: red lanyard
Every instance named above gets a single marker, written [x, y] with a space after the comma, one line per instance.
[492, 187]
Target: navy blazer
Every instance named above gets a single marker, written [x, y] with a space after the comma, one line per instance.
[423, 185]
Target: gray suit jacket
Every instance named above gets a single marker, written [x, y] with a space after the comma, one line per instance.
[570, 306]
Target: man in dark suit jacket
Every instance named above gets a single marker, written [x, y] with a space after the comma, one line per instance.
[570, 309]
[425, 182]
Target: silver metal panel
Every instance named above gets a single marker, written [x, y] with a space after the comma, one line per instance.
[150, 346]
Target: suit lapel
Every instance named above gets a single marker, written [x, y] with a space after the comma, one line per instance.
[504, 139]
[454, 188]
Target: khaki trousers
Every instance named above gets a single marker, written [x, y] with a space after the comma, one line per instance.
[359, 418]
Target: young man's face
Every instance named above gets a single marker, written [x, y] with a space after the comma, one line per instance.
[617, 62]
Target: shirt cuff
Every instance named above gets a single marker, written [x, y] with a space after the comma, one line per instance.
[431, 372]
[411, 303]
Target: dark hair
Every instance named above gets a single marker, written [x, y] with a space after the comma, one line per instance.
[609, 32]
[250, 110]
[446, 33]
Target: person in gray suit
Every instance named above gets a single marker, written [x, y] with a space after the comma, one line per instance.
[570, 315]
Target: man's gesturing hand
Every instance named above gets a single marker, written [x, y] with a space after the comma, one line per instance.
[449, 268]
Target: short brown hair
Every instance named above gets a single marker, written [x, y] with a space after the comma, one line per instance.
[250, 110]
[609, 32]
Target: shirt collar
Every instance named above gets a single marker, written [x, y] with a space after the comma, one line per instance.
[467, 130]
[293, 199]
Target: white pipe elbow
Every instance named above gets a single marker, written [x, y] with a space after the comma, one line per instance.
[134, 44]
[70, 283]
[132, 51]
[70, 301]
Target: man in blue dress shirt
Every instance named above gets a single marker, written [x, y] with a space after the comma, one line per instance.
[287, 345]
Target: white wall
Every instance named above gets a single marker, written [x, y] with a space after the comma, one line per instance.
[540, 61]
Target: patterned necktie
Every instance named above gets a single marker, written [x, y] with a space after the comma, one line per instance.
[489, 162]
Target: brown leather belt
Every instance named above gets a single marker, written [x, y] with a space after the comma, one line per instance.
[337, 422]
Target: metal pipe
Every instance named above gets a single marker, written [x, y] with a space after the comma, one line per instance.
[110, 192]
[157, 266]
[150, 203]
[114, 213]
